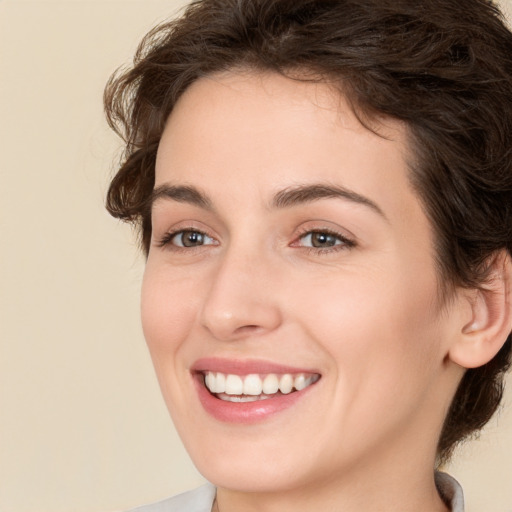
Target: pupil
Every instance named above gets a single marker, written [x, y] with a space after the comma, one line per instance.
[323, 240]
[192, 238]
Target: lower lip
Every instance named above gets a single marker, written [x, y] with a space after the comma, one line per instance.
[246, 412]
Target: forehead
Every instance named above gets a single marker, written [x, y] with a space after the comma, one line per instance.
[272, 105]
[269, 131]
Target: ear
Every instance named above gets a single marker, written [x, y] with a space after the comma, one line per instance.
[490, 323]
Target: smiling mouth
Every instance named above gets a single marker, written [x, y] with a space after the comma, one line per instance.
[255, 387]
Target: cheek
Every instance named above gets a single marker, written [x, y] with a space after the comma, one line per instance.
[168, 309]
[365, 306]
[380, 333]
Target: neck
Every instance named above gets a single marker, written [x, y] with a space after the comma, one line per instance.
[367, 487]
[365, 496]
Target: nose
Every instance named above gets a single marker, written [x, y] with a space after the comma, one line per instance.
[242, 299]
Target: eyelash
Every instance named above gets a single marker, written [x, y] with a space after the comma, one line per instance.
[168, 237]
[345, 244]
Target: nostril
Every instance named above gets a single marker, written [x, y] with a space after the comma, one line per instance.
[248, 329]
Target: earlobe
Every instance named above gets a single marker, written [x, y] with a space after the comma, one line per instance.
[483, 335]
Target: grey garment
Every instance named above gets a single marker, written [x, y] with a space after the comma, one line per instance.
[201, 499]
[451, 491]
[198, 500]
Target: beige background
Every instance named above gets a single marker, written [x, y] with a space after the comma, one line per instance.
[82, 424]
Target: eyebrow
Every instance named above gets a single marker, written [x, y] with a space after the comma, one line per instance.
[182, 194]
[301, 194]
[287, 198]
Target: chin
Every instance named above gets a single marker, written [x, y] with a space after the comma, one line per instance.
[250, 476]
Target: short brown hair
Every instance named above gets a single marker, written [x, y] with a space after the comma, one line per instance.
[441, 66]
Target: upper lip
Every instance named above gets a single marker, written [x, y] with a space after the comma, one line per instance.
[245, 366]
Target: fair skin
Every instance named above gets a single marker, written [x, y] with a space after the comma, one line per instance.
[337, 282]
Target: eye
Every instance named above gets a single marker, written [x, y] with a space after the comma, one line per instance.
[187, 238]
[323, 240]
[320, 240]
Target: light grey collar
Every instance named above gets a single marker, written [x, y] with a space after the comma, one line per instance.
[450, 491]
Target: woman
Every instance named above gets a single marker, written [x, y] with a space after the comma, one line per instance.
[324, 195]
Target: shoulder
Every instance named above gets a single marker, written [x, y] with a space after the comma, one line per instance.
[198, 500]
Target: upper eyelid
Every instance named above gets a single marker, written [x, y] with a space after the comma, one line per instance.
[323, 232]
[341, 233]
[345, 240]
[169, 235]
[177, 227]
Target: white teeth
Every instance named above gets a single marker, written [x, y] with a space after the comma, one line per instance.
[242, 398]
[286, 384]
[300, 382]
[220, 383]
[254, 387]
[215, 382]
[234, 385]
[270, 384]
[208, 381]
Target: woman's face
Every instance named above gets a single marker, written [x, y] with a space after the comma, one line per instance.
[288, 246]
